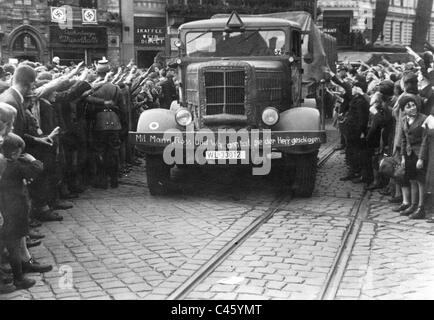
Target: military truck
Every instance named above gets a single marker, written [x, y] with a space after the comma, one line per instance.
[239, 73]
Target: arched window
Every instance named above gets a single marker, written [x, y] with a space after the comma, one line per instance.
[24, 42]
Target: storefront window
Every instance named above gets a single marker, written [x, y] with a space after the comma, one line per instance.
[79, 44]
[69, 56]
[338, 25]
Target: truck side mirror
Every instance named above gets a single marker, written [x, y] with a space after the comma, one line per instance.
[308, 58]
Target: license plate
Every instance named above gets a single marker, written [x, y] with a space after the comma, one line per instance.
[225, 155]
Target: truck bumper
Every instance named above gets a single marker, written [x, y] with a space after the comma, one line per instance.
[288, 142]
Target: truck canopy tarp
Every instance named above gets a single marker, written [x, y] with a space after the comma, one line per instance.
[313, 71]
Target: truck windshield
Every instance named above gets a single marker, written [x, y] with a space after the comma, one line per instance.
[246, 43]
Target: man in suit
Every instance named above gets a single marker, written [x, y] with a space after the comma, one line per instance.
[22, 86]
[43, 189]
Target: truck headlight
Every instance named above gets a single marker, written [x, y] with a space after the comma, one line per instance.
[270, 116]
[178, 43]
[183, 117]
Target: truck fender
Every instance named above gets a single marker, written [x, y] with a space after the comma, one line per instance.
[299, 119]
[157, 120]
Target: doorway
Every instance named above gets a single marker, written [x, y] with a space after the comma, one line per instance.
[25, 47]
[338, 24]
[145, 58]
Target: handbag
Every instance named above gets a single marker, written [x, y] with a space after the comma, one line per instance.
[392, 168]
[108, 120]
[388, 166]
[399, 173]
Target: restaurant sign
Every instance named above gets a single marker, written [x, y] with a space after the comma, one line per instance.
[88, 37]
[150, 31]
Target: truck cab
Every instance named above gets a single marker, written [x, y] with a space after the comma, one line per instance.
[242, 74]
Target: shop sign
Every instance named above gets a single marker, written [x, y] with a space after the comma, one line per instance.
[330, 30]
[150, 32]
[88, 37]
[173, 40]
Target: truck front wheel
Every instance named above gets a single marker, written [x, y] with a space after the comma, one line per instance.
[158, 174]
[305, 174]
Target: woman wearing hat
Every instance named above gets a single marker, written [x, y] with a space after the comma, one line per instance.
[414, 148]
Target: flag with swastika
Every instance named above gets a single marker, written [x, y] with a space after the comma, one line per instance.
[89, 16]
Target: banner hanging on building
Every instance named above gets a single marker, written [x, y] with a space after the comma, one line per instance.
[58, 14]
[89, 16]
[150, 31]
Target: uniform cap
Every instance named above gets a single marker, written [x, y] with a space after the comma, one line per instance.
[103, 66]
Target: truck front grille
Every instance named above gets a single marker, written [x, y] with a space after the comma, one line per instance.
[225, 92]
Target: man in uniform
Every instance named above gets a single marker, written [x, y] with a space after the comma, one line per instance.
[104, 102]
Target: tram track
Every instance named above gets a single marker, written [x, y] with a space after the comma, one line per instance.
[188, 286]
[358, 214]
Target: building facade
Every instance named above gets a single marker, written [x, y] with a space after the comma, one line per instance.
[151, 26]
[346, 18]
[144, 30]
[28, 30]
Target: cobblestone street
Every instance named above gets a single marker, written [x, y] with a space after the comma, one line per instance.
[126, 244]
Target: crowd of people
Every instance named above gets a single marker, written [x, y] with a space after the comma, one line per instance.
[385, 116]
[62, 129]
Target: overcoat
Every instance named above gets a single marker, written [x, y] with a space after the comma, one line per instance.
[414, 138]
[14, 197]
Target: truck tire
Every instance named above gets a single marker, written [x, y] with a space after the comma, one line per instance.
[305, 174]
[158, 174]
